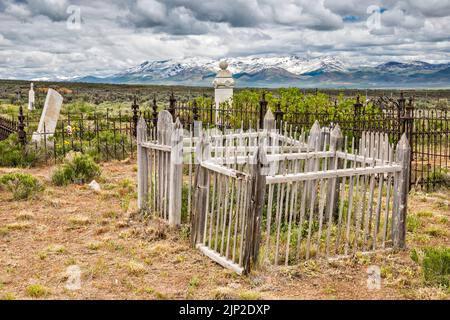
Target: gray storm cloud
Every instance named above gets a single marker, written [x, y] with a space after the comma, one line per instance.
[35, 42]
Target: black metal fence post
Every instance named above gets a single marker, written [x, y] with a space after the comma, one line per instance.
[278, 115]
[409, 122]
[155, 113]
[172, 103]
[195, 110]
[211, 111]
[262, 110]
[135, 108]
[22, 135]
[357, 107]
[400, 116]
[357, 118]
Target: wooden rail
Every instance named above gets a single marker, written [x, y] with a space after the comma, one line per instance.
[296, 196]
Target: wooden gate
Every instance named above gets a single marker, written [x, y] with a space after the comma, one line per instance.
[220, 227]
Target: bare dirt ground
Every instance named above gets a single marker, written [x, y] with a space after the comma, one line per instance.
[122, 257]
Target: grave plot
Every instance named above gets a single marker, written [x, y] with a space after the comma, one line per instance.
[275, 196]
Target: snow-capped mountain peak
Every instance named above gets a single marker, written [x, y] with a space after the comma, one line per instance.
[252, 64]
[281, 70]
[293, 64]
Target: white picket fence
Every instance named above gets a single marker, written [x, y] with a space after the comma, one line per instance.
[276, 196]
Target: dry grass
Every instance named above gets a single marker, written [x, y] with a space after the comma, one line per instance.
[123, 257]
[78, 220]
[25, 215]
[136, 268]
[18, 225]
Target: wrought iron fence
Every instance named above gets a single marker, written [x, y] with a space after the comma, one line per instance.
[7, 126]
[111, 134]
[427, 129]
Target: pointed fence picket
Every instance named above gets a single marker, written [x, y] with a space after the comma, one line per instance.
[275, 196]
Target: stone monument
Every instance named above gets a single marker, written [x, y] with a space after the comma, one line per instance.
[49, 116]
[223, 85]
[31, 98]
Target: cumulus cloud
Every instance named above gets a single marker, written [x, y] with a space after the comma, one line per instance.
[399, 18]
[117, 34]
[193, 15]
[429, 8]
[53, 9]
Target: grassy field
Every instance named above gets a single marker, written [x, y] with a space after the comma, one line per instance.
[121, 256]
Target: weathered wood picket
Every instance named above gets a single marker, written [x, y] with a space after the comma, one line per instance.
[160, 165]
[276, 196]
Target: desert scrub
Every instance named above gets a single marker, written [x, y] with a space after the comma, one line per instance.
[435, 263]
[37, 291]
[79, 106]
[13, 154]
[22, 185]
[77, 168]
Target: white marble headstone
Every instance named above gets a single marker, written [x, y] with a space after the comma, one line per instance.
[31, 98]
[49, 116]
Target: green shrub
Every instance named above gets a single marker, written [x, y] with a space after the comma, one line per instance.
[79, 106]
[13, 154]
[22, 185]
[77, 168]
[435, 264]
[62, 176]
[440, 176]
[293, 101]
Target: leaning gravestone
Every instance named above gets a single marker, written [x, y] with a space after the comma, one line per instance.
[31, 98]
[49, 117]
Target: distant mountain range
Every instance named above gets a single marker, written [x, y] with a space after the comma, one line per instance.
[255, 71]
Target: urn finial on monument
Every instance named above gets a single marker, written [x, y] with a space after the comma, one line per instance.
[224, 78]
[223, 65]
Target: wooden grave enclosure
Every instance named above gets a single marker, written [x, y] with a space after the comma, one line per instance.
[275, 195]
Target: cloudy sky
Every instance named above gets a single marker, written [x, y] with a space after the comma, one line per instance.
[68, 38]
